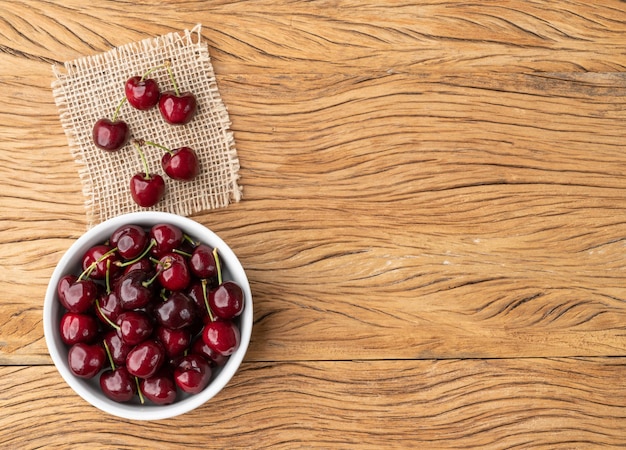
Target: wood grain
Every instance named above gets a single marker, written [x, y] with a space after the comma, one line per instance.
[433, 221]
[519, 403]
[340, 36]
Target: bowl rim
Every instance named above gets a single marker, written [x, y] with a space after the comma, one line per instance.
[58, 350]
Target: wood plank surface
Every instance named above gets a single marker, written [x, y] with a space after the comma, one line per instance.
[516, 403]
[433, 221]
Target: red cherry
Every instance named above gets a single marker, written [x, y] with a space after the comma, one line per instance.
[118, 384]
[109, 307]
[222, 336]
[226, 301]
[86, 360]
[202, 262]
[192, 373]
[174, 274]
[110, 135]
[141, 93]
[181, 164]
[145, 359]
[134, 327]
[147, 190]
[98, 260]
[160, 389]
[175, 342]
[77, 327]
[177, 312]
[177, 109]
[130, 241]
[133, 290]
[167, 237]
[64, 283]
[80, 296]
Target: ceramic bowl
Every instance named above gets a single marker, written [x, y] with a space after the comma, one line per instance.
[89, 389]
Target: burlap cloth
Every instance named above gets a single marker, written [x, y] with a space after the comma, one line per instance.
[90, 88]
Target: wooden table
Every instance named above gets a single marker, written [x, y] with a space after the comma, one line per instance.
[433, 221]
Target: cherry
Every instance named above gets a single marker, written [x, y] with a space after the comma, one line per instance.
[178, 311]
[98, 260]
[86, 360]
[145, 359]
[226, 301]
[118, 349]
[160, 389]
[79, 296]
[110, 135]
[174, 273]
[146, 188]
[181, 164]
[222, 336]
[167, 237]
[64, 283]
[134, 327]
[118, 384]
[174, 342]
[199, 347]
[202, 262]
[177, 109]
[192, 373]
[130, 241]
[142, 93]
[134, 289]
[76, 327]
[109, 307]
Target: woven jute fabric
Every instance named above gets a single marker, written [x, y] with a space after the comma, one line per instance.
[90, 88]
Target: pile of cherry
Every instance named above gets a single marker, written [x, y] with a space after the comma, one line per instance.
[143, 93]
[150, 314]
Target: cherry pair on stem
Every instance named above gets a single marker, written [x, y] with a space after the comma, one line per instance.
[143, 93]
[148, 188]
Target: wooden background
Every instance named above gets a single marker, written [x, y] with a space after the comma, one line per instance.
[433, 221]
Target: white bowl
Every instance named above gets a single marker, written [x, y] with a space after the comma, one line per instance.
[89, 390]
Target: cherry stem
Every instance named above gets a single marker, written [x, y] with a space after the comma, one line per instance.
[104, 316]
[119, 107]
[181, 252]
[162, 147]
[218, 265]
[107, 277]
[93, 265]
[190, 240]
[139, 391]
[146, 169]
[106, 349]
[206, 299]
[150, 71]
[138, 258]
[168, 65]
[161, 269]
